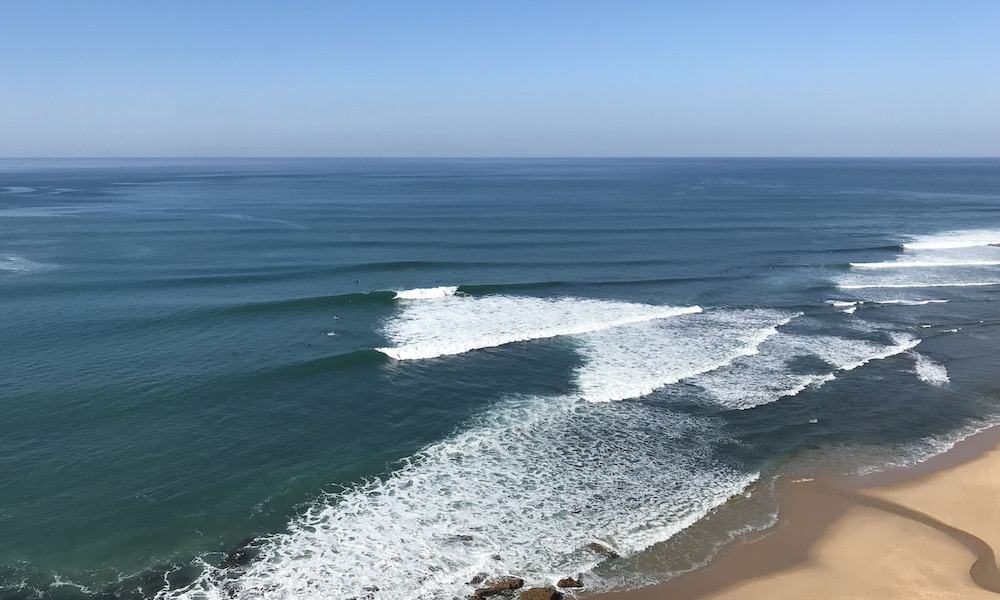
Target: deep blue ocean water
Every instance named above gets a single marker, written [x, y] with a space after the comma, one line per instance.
[386, 376]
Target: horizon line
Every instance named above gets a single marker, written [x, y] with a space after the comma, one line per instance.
[517, 157]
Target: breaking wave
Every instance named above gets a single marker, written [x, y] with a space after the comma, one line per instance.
[903, 302]
[915, 264]
[532, 483]
[635, 360]
[771, 374]
[930, 371]
[862, 286]
[954, 239]
[427, 293]
[458, 324]
[950, 259]
[525, 491]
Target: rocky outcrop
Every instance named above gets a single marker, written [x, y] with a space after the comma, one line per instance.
[498, 585]
[541, 594]
[569, 582]
[603, 550]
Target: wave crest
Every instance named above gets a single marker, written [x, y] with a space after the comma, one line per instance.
[459, 324]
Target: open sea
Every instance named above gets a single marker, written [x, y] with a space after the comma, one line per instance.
[376, 379]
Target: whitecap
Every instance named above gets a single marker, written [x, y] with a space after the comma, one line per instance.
[523, 492]
[926, 284]
[18, 264]
[427, 293]
[954, 239]
[635, 360]
[458, 324]
[923, 264]
[903, 302]
[928, 370]
[769, 375]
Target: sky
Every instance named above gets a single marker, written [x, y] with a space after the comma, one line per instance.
[500, 78]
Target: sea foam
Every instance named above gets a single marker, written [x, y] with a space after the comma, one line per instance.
[923, 264]
[530, 484]
[954, 239]
[929, 371]
[770, 375]
[634, 360]
[427, 293]
[458, 324]
[949, 259]
[916, 284]
[904, 302]
[524, 491]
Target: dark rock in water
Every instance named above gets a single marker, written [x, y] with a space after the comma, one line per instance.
[602, 550]
[498, 585]
[569, 582]
[477, 579]
[541, 594]
[462, 537]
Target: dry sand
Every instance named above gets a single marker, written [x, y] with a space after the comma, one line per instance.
[917, 534]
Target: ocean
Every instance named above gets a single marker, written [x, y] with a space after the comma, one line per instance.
[377, 379]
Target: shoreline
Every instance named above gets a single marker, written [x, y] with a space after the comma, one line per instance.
[827, 523]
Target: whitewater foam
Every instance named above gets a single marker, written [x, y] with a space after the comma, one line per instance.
[524, 492]
[862, 286]
[635, 360]
[770, 375]
[458, 324]
[903, 302]
[949, 259]
[914, 453]
[427, 293]
[915, 264]
[954, 239]
[928, 370]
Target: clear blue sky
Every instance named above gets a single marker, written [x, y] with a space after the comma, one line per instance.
[500, 78]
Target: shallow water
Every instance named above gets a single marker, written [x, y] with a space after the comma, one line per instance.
[401, 373]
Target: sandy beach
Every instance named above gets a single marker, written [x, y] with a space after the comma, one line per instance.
[924, 532]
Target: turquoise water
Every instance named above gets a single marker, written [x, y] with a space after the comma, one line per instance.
[197, 355]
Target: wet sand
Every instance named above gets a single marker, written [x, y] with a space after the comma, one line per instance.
[924, 532]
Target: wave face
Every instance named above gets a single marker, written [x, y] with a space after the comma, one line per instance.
[458, 324]
[427, 293]
[525, 491]
[930, 371]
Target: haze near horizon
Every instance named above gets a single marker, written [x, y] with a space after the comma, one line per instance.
[775, 78]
